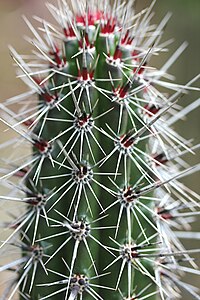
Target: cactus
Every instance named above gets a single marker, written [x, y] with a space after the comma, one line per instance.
[99, 188]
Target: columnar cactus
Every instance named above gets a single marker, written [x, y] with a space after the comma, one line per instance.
[102, 186]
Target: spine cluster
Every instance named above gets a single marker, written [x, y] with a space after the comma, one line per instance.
[98, 190]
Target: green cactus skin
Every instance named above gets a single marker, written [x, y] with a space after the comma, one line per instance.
[102, 187]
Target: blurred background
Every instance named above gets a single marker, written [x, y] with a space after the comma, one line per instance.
[184, 25]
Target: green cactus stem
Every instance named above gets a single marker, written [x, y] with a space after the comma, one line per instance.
[101, 188]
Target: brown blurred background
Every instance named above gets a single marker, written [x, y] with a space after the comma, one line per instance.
[183, 25]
